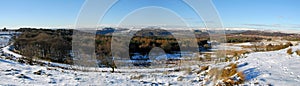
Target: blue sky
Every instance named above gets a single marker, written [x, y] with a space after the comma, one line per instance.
[269, 14]
[258, 14]
[38, 13]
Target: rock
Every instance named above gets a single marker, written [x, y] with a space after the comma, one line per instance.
[49, 75]
[23, 76]
[40, 72]
[167, 84]
[180, 78]
[52, 81]
[12, 73]
[198, 79]
[12, 70]
[77, 78]
[154, 84]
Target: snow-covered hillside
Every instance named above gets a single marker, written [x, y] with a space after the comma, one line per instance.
[13, 73]
[274, 67]
[263, 68]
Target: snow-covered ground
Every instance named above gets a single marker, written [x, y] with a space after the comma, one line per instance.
[7, 51]
[244, 44]
[4, 39]
[274, 67]
[264, 68]
[13, 73]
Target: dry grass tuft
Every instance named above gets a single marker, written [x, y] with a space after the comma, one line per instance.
[137, 77]
[242, 77]
[203, 68]
[233, 54]
[298, 52]
[236, 53]
[228, 71]
[208, 57]
[289, 51]
[188, 70]
[166, 72]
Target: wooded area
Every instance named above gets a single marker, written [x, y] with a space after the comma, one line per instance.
[55, 45]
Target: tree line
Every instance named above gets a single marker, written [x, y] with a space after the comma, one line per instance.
[52, 45]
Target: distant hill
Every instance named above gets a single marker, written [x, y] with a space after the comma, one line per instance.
[264, 33]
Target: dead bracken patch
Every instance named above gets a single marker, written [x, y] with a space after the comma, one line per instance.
[230, 75]
[228, 71]
[226, 76]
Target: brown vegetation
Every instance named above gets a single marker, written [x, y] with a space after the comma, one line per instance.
[203, 68]
[228, 72]
[55, 45]
[269, 47]
[52, 45]
[289, 51]
[241, 39]
[298, 52]
[229, 75]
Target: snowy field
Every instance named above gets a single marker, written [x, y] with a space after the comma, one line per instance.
[260, 68]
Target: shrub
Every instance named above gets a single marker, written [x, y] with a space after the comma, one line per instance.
[21, 61]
